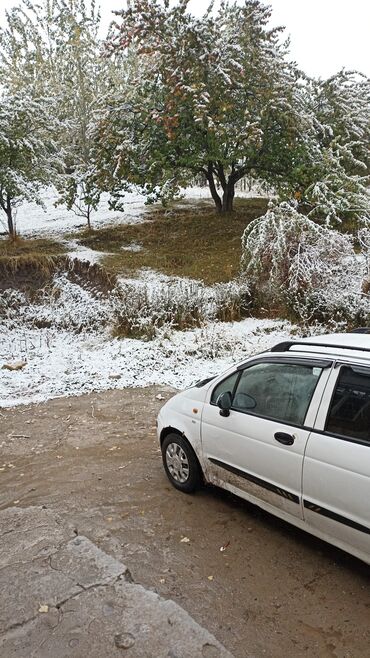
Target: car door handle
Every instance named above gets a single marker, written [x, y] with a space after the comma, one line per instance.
[286, 439]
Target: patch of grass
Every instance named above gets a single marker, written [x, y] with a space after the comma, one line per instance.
[28, 271]
[28, 264]
[191, 241]
[31, 264]
[32, 247]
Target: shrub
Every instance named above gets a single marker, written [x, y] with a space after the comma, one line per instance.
[309, 271]
[364, 242]
[232, 300]
[140, 310]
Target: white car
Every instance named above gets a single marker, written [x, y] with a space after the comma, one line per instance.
[288, 430]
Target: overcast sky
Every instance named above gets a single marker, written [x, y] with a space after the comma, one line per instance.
[326, 35]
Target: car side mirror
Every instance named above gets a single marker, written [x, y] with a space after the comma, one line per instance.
[224, 401]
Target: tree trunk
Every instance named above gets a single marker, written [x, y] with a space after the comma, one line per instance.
[88, 217]
[9, 214]
[212, 187]
[5, 204]
[228, 197]
[226, 204]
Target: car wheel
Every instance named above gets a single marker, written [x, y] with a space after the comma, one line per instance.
[181, 464]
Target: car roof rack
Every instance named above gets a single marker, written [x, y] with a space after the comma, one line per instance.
[360, 330]
[287, 344]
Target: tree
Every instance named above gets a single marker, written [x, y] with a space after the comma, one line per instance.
[214, 96]
[28, 153]
[51, 49]
[81, 77]
[333, 181]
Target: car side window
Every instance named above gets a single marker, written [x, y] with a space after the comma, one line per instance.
[349, 414]
[279, 391]
[227, 385]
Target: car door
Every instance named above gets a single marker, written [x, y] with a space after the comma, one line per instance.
[257, 451]
[336, 473]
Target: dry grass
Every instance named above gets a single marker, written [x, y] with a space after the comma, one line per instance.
[32, 247]
[31, 264]
[30, 271]
[28, 263]
[191, 242]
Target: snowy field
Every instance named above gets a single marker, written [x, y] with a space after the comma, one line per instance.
[66, 343]
[65, 339]
[62, 363]
[33, 220]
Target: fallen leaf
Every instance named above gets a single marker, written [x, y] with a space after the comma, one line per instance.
[109, 518]
[17, 365]
[210, 577]
[44, 608]
[224, 547]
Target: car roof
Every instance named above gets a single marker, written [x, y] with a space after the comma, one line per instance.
[353, 345]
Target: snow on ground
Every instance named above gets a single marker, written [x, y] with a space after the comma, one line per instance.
[33, 220]
[79, 251]
[62, 363]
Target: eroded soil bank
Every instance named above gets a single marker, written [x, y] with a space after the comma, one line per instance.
[273, 591]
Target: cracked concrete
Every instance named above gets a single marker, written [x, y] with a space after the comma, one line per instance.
[64, 597]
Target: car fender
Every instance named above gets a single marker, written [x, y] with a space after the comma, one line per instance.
[183, 414]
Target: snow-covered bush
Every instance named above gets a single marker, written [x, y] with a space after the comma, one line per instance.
[300, 267]
[60, 305]
[78, 297]
[140, 310]
[10, 303]
[364, 241]
[231, 300]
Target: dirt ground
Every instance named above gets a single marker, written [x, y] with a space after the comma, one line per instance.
[273, 592]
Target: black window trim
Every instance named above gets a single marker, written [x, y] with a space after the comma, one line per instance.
[314, 363]
[334, 435]
[236, 372]
[342, 437]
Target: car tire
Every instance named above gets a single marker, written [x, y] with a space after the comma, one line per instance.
[181, 464]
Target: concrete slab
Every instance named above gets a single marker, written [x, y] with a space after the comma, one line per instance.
[73, 600]
[86, 564]
[29, 533]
